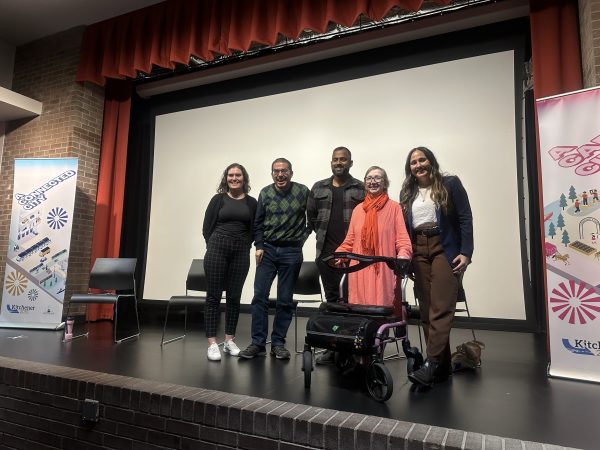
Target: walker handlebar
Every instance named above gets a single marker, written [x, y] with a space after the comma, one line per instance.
[346, 262]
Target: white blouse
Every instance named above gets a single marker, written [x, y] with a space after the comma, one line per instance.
[423, 208]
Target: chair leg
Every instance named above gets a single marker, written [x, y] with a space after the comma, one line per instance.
[162, 340]
[121, 303]
[168, 341]
[296, 332]
[469, 316]
[185, 317]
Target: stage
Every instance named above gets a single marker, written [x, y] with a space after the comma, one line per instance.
[510, 396]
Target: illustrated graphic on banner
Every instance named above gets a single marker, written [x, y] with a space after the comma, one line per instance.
[39, 241]
[569, 132]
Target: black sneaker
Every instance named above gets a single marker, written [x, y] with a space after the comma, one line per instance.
[280, 352]
[327, 357]
[251, 351]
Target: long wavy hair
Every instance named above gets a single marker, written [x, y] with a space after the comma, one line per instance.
[410, 187]
[223, 187]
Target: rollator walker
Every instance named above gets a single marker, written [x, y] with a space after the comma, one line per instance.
[358, 333]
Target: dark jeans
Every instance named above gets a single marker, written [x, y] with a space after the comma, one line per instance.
[331, 282]
[285, 263]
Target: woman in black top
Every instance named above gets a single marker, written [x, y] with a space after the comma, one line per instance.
[228, 230]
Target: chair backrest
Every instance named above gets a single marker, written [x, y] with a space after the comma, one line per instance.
[196, 279]
[308, 280]
[113, 273]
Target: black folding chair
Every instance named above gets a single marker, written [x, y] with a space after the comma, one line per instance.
[116, 275]
[307, 284]
[196, 281]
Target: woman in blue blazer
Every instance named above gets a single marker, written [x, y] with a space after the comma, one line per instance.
[439, 220]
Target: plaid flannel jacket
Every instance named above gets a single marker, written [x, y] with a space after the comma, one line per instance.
[319, 205]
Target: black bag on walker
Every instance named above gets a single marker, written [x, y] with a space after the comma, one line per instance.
[343, 333]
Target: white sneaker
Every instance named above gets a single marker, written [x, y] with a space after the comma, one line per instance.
[213, 353]
[231, 348]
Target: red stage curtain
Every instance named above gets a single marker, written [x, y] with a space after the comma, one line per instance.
[556, 58]
[555, 48]
[172, 31]
[111, 181]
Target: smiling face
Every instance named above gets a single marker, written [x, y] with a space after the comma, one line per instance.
[282, 175]
[375, 182]
[340, 163]
[420, 168]
[235, 179]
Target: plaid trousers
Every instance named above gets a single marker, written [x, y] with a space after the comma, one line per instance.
[226, 265]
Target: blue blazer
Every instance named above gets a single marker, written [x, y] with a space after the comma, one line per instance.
[456, 227]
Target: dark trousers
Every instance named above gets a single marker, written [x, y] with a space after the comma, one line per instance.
[331, 283]
[285, 263]
[436, 288]
[226, 264]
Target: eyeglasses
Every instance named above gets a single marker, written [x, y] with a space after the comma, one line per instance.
[280, 171]
[373, 178]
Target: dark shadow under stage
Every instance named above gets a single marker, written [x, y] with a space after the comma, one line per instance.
[510, 396]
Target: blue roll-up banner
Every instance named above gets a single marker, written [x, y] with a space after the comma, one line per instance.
[39, 243]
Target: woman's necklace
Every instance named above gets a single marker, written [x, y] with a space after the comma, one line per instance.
[424, 193]
[239, 196]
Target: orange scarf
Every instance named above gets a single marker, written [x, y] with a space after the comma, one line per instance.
[369, 235]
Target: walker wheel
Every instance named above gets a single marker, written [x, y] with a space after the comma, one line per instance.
[379, 381]
[307, 367]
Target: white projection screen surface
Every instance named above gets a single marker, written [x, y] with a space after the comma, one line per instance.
[463, 110]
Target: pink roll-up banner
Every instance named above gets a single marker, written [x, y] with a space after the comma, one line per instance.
[569, 133]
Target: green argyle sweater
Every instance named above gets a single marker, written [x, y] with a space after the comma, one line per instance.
[281, 217]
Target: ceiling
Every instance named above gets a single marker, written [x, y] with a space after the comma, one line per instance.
[23, 21]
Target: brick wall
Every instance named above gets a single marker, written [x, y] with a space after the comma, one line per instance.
[589, 26]
[40, 407]
[69, 126]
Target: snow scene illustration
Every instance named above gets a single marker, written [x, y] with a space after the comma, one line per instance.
[572, 234]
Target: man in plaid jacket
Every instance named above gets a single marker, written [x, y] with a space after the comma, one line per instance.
[329, 209]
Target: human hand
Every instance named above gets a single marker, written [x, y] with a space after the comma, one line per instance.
[258, 255]
[340, 262]
[460, 264]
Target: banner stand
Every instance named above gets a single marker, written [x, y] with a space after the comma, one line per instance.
[569, 134]
[39, 243]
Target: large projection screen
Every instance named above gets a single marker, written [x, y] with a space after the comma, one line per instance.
[464, 110]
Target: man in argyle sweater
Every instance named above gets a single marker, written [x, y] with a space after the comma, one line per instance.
[280, 229]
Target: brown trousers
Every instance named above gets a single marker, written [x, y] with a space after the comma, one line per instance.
[436, 289]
